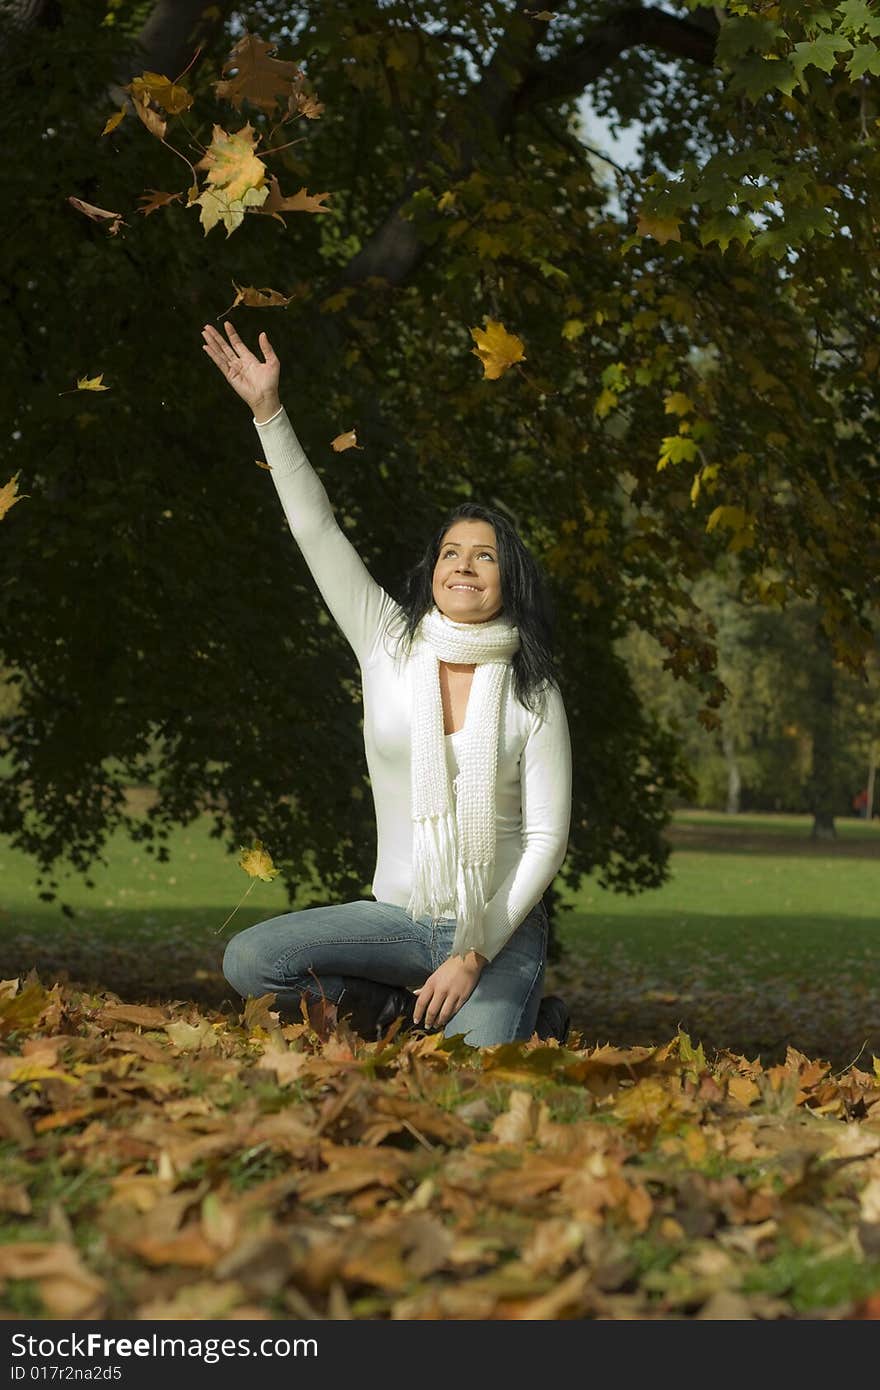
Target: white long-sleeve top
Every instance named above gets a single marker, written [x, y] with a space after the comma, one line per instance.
[533, 788]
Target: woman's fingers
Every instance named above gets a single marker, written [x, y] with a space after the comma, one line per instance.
[239, 347]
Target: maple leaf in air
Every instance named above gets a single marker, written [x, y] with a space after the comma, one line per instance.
[152, 86]
[253, 298]
[276, 203]
[345, 441]
[496, 348]
[152, 199]
[113, 219]
[91, 383]
[257, 862]
[9, 494]
[264, 81]
[232, 163]
[156, 124]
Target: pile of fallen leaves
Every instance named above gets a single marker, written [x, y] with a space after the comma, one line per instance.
[162, 1162]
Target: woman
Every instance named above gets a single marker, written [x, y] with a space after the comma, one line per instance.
[469, 756]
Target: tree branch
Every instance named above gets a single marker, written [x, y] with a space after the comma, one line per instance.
[513, 82]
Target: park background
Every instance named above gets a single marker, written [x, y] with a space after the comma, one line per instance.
[671, 215]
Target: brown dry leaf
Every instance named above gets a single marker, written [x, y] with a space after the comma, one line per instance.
[188, 1247]
[497, 349]
[14, 1123]
[140, 1015]
[204, 1300]
[264, 81]
[153, 198]
[14, 1197]
[155, 124]
[9, 494]
[262, 464]
[348, 440]
[301, 201]
[522, 1119]
[152, 86]
[67, 1288]
[258, 299]
[113, 219]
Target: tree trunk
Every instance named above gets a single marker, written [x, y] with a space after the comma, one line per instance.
[734, 780]
[872, 778]
[822, 779]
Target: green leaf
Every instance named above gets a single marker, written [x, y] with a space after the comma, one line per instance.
[754, 77]
[724, 227]
[865, 58]
[820, 53]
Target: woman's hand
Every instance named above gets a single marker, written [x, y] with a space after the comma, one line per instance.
[444, 992]
[255, 381]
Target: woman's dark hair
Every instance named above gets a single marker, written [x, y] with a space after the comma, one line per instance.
[525, 599]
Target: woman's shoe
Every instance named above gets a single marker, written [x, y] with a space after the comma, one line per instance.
[371, 1008]
[553, 1019]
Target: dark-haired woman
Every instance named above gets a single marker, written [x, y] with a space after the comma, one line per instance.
[469, 757]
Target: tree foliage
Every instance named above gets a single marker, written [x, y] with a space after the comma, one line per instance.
[697, 378]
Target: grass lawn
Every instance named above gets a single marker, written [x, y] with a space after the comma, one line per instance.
[760, 939]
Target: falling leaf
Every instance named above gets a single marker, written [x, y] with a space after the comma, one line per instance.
[262, 80]
[496, 348]
[257, 862]
[152, 199]
[156, 124]
[216, 207]
[301, 201]
[345, 441]
[113, 121]
[99, 214]
[9, 494]
[152, 86]
[261, 464]
[91, 383]
[541, 14]
[257, 299]
[232, 163]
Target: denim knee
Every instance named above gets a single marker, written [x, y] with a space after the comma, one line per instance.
[240, 967]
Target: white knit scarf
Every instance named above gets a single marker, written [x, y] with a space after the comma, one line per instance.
[454, 846]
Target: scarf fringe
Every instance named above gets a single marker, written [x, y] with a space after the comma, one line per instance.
[472, 890]
[435, 850]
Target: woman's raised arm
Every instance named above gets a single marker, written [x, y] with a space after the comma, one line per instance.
[360, 606]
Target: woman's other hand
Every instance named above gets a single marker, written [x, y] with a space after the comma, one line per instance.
[444, 992]
[254, 380]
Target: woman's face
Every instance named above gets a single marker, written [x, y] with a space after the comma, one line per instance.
[467, 582]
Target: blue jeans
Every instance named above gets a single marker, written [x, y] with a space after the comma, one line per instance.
[309, 952]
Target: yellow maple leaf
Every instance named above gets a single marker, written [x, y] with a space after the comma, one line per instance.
[348, 440]
[91, 383]
[259, 78]
[232, 164]
[257, 862]
[152, 86]
[497, 349]
[258, 299]
[677, 403]
[9, 494]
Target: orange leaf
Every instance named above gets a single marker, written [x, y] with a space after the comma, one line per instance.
[345, 441]
[301, 201]
[152, 199]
